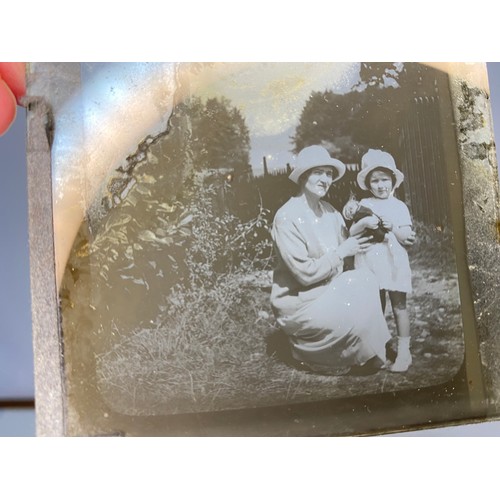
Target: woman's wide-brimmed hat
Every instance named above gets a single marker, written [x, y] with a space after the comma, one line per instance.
[375, 158]
[315, 156]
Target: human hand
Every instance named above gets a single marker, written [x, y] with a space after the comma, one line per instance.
[410, 239]
[405, 235]
[353, 245]
[12, 89]
[386, 224]
[370, 222]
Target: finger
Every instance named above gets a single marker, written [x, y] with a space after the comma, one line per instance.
[7, 107]
[14, 75]
[363, 239]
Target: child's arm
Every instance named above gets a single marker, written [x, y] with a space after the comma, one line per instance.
[402, 226]
[370, 222]
[404, 234]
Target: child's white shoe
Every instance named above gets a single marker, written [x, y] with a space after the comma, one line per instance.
[402, 363]
[403, 359]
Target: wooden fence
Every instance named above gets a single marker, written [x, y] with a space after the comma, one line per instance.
[422, 162]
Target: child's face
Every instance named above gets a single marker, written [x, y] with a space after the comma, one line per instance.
[380, 184]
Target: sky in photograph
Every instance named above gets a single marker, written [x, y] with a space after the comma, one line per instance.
[270, 97]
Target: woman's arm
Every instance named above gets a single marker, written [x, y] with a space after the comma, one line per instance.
[293, 250]
[307, 270]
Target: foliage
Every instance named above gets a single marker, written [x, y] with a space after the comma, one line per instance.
[220, 137]
[369, 116]
[327, 119]
[196, 329]
[379, 75]
[161, 216]
[433, 244]
[222, 242]
[150, 248]
[205, 347]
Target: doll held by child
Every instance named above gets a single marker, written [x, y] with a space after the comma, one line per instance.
[353, 211]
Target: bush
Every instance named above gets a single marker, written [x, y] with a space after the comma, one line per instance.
[433, 248]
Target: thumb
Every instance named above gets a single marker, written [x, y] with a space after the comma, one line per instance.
[7, 107]
[14, 75]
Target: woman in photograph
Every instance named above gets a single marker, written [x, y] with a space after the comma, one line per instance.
[332, 318]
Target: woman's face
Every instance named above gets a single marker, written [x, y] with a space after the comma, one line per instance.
[319, 181]
[380, 184]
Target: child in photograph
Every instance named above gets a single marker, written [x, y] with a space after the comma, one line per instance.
[386, 258]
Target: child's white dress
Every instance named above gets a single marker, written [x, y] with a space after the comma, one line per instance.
[388, 260]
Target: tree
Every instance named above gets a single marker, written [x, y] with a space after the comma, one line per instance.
[327, 119]
[220, 136]
[370, 116]
[378, 75]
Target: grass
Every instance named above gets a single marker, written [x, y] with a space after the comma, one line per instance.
[215, 344]
[222, 350]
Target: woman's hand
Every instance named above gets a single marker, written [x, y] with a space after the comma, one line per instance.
[353, 245]
[12, 88]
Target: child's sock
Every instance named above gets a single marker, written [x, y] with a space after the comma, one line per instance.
[403, 359]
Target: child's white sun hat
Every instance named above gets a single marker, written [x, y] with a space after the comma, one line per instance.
[375, 158]
[315, 156]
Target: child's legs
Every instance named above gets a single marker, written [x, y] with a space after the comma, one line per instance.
[398, 303]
